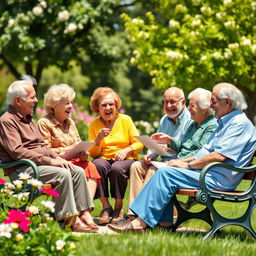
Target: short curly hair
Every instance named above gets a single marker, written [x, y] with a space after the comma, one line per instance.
[100, 93]
[55, 94]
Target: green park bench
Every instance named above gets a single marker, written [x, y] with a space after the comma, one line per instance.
[210, 214]
[33, 193]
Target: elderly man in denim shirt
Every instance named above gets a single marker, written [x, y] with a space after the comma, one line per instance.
[233, 142]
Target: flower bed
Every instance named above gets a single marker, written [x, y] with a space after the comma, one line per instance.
[32, 231]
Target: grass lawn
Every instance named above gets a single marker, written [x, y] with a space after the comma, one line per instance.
[230, 241]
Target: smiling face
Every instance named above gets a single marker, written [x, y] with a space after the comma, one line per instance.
[197, 114]
[26, 104]
[62, 110]
[107, 108]
[173, 104]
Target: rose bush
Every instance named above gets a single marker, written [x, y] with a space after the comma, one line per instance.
[32, 231]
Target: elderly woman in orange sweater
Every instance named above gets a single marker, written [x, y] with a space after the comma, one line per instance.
[59, 133]
[115, 149]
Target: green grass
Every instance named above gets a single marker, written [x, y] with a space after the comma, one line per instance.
[231, 240]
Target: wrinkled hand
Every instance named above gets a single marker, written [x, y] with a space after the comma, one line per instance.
[161, 138]
[148, 158]
[83, 156]
[102, 134]
[62, 163]
[121, 155]
[178, 163]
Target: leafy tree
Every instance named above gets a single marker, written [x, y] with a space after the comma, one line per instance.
[40, 33]
[195, 43]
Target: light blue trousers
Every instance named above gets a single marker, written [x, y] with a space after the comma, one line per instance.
[154, 203]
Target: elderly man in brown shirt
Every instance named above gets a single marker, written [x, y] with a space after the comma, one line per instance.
[20, 138]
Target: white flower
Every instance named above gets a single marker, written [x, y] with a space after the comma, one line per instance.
[196, 23]
[233, 46]
[43, 4]
[64, 15]
[173, 24]
[253, 48]
[72, 246]
[227, 2]
[37, 10]
[18, 183]
[228, 53]
[10, 22]
[33, 209]
[35, 183]
[60, 244]
[220, 15]
[5, 230]
[137, 21]
[22, 196]
[19, 237]
[49, 205]
[206, 10]
[245, 41]
[217, 56]
[70, 28]
[253, 4]
[230, 24]
[174, 55]
[24, 176]
[203, 58]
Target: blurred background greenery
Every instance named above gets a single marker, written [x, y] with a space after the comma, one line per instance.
[139, 48]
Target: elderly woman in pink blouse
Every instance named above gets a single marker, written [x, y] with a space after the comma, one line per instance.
[60, 133]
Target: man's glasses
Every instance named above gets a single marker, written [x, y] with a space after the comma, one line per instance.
[171, 102]
[104, 105]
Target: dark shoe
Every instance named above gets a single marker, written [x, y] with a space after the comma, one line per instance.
[81, 227]
[105, 215]
[125, 228]
[118, 215]
[124, 221]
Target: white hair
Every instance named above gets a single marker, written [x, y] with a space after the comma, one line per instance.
[233, 93]
[204, 99]
[55, 94]
[17, 88]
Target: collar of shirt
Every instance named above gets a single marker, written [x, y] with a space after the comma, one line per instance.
[56, 123]
[14, 111]
[225, 119]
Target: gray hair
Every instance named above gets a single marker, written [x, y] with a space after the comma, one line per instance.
[29, 78]
[55, 94]
[204, 99]
[17, 88]
[233, 93]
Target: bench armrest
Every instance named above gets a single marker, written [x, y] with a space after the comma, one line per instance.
[27, 162]
[203, 193]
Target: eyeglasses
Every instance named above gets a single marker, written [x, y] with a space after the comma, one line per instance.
[171, 102]
[104, 105]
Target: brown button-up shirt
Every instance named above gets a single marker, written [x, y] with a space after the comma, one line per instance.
[20, 138]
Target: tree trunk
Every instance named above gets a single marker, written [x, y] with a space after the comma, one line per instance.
[251, 101]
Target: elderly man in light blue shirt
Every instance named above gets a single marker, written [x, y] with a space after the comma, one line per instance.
[175, 124]
[233, 142]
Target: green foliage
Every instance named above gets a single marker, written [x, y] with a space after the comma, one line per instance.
[196, 43]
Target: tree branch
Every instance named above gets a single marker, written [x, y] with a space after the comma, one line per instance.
[11, 67]
[28, 68]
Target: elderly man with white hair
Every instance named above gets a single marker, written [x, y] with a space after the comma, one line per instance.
[20, 138]
[200, 129]
[233, 143]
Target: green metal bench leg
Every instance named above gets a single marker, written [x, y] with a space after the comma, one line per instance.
[184, 215]
[242, 221]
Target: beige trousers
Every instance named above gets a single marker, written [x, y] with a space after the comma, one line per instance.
[140, 174]
[71, 184]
